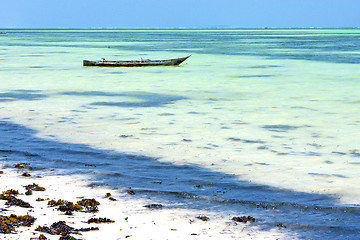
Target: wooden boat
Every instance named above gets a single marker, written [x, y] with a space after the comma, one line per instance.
[135, 63]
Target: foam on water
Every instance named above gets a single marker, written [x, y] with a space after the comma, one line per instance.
[260, 116]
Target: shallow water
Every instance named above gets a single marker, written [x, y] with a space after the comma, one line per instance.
[262, 119]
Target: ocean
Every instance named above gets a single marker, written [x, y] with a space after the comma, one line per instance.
[260, 122]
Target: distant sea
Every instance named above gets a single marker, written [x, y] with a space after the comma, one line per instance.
[262, 122]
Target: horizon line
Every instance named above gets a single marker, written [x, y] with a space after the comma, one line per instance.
[178, 28]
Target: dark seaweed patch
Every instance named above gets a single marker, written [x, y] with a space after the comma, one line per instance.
[91, 205]
[131, 192]
[65, 206]
[26, 174]
[17, 202]
[203, 218]
[244, 219]
[154, 206]
[34, 187]
[100, 220]
[21, 165]
[57, 228]
[8, 224]
[11, 200]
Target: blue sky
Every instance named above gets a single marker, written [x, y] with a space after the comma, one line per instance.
[175, 14]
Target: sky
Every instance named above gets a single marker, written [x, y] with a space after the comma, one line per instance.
[179, 13]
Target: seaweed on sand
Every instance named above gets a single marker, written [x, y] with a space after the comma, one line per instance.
[203, 218]
[65, 206]
[42, 237]
[154, 206]
[61, 228]
[26, 174]
[8, 224]
[244, 219]
[108, 195]
[57, 228]
[21, 165]
[91, 205]
[18, 202]
[67, 237]
[88, 229]
[34, 187]
[9, 192]
[11, 200]
[28, 192]
[100, 220]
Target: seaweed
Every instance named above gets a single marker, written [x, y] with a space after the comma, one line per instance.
[28, 192]
[21, 165]
[244, 219]
[61, 228]
[9, 192]
[131, 192]
[280, 225]
[8, 224]
[34, 187]
[57, 228]
[17, 202]
[100, 220]
[26, 174]
[1, 172]
[42, 237]
[9, 196]
[40, 199]
[154, 206]
[88, 229]
[91, 205]
[67, 237]
[65, 206]
[203, 218]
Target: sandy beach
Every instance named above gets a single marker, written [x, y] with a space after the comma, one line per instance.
[135, 217]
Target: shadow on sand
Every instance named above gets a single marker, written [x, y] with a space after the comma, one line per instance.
[193, 186]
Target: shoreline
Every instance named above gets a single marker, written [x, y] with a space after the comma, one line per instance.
[133, 220]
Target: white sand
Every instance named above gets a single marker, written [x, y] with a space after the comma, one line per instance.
[132, 219]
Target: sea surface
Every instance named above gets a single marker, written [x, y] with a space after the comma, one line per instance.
[261, 122]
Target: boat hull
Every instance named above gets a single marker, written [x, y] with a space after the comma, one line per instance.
[135, 63]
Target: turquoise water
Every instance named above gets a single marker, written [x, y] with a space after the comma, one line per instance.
[257, 117]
